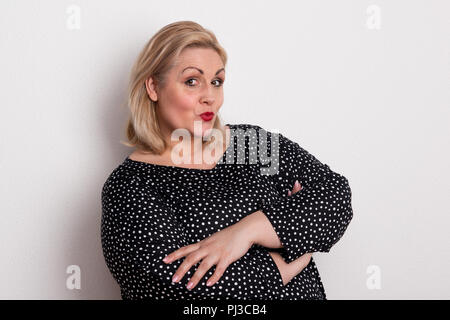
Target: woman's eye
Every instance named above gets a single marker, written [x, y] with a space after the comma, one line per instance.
[220, 82]
[188, 83]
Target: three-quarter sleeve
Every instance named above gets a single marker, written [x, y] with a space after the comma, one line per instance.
[139, 228]
[314, 218]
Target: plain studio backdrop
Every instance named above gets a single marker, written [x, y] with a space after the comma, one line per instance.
[362, 85]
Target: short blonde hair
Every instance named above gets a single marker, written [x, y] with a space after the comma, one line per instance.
[155, 60]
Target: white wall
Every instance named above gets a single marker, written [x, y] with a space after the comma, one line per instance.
[365, 91]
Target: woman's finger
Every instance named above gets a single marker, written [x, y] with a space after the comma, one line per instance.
[200, 272]
[183, 251]
[188, 262]
[218, 273]
[297, 187]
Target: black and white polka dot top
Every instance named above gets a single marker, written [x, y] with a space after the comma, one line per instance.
[150, 210]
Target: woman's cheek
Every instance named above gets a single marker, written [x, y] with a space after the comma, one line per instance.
[186, 102]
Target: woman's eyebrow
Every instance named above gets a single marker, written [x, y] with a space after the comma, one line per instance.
[201, 71]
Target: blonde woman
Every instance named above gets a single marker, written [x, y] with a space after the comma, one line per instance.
[222, 218]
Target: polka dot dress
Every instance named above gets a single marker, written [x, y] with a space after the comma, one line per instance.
[149, 211]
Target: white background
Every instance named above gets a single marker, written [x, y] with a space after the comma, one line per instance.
[365, 91]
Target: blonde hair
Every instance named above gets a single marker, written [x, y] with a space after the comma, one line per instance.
[155, 60]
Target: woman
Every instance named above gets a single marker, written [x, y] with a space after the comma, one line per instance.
[247, 229]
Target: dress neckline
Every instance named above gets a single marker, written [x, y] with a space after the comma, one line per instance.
[154, 165]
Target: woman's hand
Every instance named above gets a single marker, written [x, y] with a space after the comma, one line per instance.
[290, 270]
[221, 249]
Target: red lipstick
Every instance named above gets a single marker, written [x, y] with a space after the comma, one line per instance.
[207, 116]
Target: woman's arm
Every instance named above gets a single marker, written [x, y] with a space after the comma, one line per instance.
[261, 232]
[316, 217]
[139, 229]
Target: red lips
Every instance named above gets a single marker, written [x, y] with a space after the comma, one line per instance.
[207, 116]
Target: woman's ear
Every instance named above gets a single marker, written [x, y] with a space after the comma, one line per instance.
[151, 89]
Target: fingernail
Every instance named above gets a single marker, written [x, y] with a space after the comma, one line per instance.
[209, 283]
[189, 285]
[175, 279]
[297, 183]
[165, 259]
[289, 192]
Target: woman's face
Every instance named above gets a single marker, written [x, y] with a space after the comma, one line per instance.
[193, 86]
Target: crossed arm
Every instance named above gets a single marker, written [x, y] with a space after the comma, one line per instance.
[252, 229]
[312, 220]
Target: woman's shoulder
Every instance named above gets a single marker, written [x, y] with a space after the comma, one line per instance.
[251, 126]
[257, 133]
[128, 174]
[244, 126]
[248, 129]
[119, 176]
